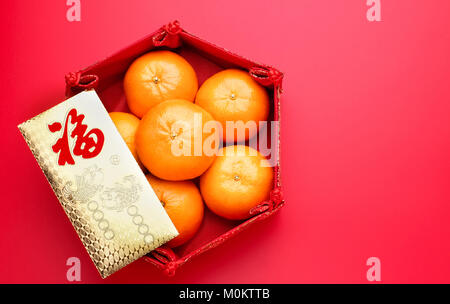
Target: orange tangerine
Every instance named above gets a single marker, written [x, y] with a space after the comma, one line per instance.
[232, 95]
[127, 125]
[183, 203]
[170, 144]
[239, 179]
[158, 76]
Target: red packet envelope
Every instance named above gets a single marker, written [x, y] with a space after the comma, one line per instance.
[99, 184]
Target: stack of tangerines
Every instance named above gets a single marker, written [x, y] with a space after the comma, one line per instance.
[176, 130]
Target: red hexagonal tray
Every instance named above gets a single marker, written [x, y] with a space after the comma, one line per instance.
[206, 58]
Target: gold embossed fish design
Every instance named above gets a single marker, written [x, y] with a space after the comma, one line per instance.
[122, 195]
[86, 185]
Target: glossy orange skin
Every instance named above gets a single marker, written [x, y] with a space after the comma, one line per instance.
[184, 205]
[232, 95]
[236, 182]
[158, 76]
[160, 129]
[127, 125]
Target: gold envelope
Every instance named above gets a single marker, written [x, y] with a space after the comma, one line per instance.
[99, 184]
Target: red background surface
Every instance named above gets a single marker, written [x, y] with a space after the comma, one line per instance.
[365, 136]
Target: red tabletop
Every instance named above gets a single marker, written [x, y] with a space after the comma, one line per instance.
[365, 136]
